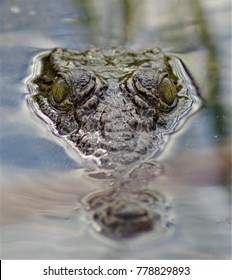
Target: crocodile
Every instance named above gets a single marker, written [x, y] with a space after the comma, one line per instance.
[118, 109]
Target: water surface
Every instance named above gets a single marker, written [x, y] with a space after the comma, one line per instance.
[42, 179]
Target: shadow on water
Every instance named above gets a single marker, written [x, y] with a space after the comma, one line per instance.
[43, 215]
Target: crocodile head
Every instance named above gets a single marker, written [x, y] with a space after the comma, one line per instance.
[115, 106]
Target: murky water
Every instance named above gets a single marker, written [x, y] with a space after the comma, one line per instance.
[42, 178]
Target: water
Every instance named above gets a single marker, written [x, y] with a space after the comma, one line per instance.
[42, 180]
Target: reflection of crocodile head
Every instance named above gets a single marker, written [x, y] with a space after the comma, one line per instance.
[127, 214]
[114, 105]
[124, 218]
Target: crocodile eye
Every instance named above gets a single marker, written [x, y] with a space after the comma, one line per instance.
[60, 90]
[167, 91]
[80, 83]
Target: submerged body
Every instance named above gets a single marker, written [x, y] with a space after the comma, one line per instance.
[117, 107]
